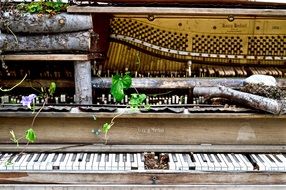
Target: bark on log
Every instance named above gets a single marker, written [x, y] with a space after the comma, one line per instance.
[254, 101]
[77, 41]
[43, 23]
[82, 77]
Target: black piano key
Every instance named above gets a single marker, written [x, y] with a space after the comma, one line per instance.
[203, 158]
[270, 158]
[98, 159]
[228, 158]
[1, 156]
[259, 158]
[252, 161]
[175, 159]
[63, 157]
[107, 157]
[284, 155]
[192, 158]
[30, 157]
[18, 158]
[235, 158]
[217, 158]
[124, 157]
[87, 159]
[278, 159]
[211, 158]
[116, 157]
[55, 157]
[45, 157]
[131, 157]
[37, 157]
[80, 158]
[11, 158]
[185, 157]
[73, 157]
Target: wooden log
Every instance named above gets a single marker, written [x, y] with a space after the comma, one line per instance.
[254, 101]
[83, 89]
[76, 41]
[44, 23]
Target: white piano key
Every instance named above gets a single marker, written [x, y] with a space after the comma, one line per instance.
[82, 164]
[248, 164]
[96, 160]
[172, 165]
[235, 162]
[127, 162]
[25, 162]
[184, 161]
[217, 165]
[121, 163]
[11, 162]
[191, 164]
[272, 166]
[260, 162]
[30, 164]
[77, 161]
[17, 164]
[203, 161]
[243, 165]
[69, 161]
[273, 163]
[64, 160]
[283, 159]
[197, 162]
[267, 162]
[89, 161]
[108, 160]
[278, 162]
[177, 162]
[49, 162]
[228, 163]
[140, 159]
[101, 164]
[43, 164]
[134, 162]
[210, 162]
[115, 162]
[221, 162]
[56, 163]
[37, 161]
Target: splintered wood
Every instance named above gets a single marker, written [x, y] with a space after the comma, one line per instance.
[151, 161]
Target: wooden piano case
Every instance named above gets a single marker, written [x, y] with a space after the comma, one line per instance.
[168, 50]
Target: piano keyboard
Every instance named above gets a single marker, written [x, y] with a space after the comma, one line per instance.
[135, 161]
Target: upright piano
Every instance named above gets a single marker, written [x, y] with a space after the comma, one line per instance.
[169, 48]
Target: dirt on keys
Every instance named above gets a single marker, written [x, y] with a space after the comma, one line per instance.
[153, 161]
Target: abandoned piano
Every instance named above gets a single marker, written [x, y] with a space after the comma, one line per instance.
[174, 51]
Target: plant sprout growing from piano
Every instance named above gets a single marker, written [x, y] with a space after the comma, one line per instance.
[29, 101]
[118, 86]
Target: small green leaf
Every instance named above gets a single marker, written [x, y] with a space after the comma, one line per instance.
[52, 88]
[117, 90]
[127, 81]
[31, 135]
[136, 100]
[106, 127]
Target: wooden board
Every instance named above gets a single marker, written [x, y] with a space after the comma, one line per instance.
[206, 148]
[140, 187]
[131, 129]
[177, 11]
[146, 178]
[44, 57]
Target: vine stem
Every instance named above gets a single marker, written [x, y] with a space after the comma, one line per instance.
[112, 123]
[38, 112]
[6, 90]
